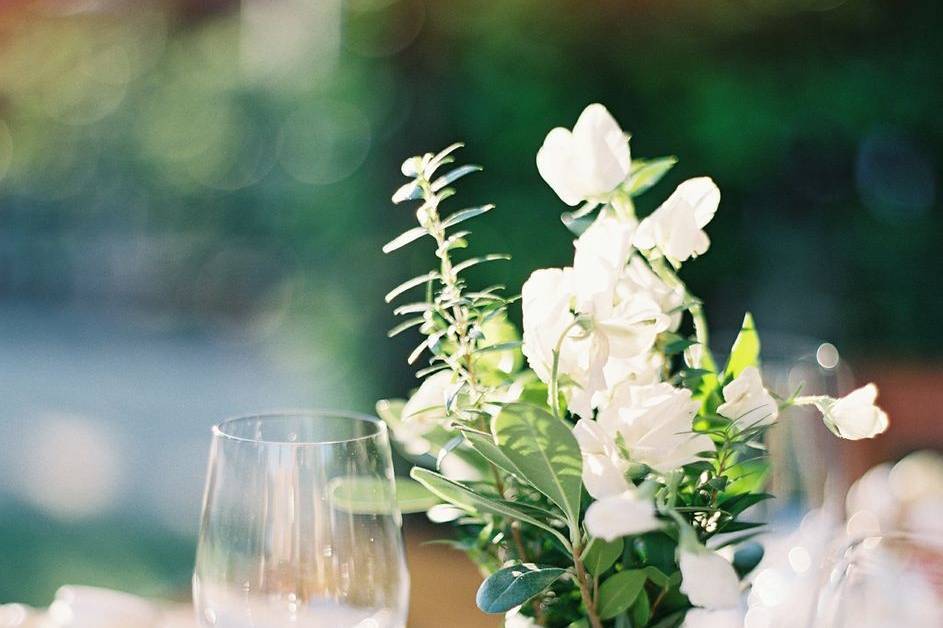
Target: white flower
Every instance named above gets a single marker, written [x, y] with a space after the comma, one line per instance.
[747, 401]
[625, 514]
[424, 411]
[589, 162]
[614, 323]
[708, 579]
[514, 619]
[654, 424]
[642, 369]
[639, 279]
[603, 467]
[855, 416]
[704, 618]
[676, 227]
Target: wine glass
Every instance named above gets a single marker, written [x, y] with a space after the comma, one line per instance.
[895, 579]
[300, 525]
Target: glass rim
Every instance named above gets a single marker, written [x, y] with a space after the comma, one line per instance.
[219, 429]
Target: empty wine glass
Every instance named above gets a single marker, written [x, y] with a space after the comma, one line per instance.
[300, 525]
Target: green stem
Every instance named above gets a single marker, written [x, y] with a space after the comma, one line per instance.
[553, 387]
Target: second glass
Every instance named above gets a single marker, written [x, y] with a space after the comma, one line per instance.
[300, 525]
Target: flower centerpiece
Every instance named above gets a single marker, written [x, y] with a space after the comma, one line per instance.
[596, 466]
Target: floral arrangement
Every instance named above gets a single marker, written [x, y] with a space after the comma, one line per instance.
[604, 483]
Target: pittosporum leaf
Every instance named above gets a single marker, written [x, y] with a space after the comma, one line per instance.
[601, 555]
[512, 586]
[618, 592]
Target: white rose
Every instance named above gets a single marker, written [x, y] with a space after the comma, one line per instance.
[708, 579]
[646, 368]
[654, 422]
[704, 618]
[747, 401]
[625, 514]
[546, 299]
[676, 228]
[855, 416]
[587, 163]
[424, 411]
[603, 467]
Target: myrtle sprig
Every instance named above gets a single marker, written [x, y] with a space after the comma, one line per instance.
[451, 318]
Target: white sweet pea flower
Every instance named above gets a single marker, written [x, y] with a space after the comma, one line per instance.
[604, 468]
[587, 163]
[676, 228]
[653, 423]
[600, 321]
[625, 514]
[515, 619]
[855, 416]
[747, 401]
[704, 618]
[640, 279]
[639, 370]
[708, 579]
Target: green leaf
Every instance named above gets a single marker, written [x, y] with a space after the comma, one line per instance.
[738, 526]
[601, 555]
[479, 260]
[514, 585]
[641, 611]
[404, 238]
[485, 446]
[671, 621]
[544, 449]
[472, 502]
[465, 214]
[618, 592]
[453, 175]
[441, 157]
[738, 503]
[656, 549]
[408, 284]
[746, 349]
[657, 576]
[646, 173]
[365, 495]
[747, 557]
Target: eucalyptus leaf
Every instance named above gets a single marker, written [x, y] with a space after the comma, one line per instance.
[746, 349]
[472, 502]
[646, 173]
[404, 238]
[601, 555]
[545, 451]
[366, 495]
[465, 214]
[618, 592]
[512, 586]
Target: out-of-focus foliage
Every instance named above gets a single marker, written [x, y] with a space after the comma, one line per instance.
[228, 164]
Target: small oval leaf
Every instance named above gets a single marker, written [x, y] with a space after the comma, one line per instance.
[514, 585]
[618, 592]
[601, 555]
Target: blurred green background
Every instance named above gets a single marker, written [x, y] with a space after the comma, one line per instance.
[193, 197]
